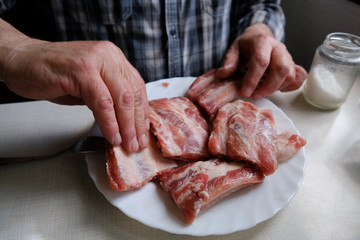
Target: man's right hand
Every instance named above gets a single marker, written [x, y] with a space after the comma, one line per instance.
[92, 72]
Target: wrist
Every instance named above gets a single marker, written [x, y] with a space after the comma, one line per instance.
[11, 40]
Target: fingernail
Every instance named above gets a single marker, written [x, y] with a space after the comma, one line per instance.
[143, 141]
[134, 145]
[117, 139]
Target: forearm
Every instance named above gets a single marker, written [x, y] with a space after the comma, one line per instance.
[268, 12]
[10, 40]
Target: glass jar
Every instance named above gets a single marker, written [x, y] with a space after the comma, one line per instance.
[333, 71]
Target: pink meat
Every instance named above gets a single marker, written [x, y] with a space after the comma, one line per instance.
[197, 186]
[181, 130]
[131, 171]
[211, 93]
[242, 131]
[288, 144]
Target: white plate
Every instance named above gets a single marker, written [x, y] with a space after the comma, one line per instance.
[241, 210]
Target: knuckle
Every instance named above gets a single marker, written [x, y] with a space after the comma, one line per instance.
[100, 51]
[262, 37]
[262, 60]
[105, 103]
[100, 46]
[108, 47]
[283, 70]
[140, 124]
[127, 99]
[139, 98]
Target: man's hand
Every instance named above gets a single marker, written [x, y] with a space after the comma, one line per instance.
[90, 72]
[266, 59]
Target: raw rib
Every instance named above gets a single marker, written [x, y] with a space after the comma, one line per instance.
[197, 186]
[242, 131]
[181, 130]
[211, 93]
[131, 171]
[288, 144]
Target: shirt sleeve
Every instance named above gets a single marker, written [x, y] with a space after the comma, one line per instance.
[247, 13]
[6, 5]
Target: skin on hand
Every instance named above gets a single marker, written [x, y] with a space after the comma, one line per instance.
[267, 62]
[92, 72]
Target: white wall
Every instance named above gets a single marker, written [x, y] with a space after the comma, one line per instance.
[309, 21]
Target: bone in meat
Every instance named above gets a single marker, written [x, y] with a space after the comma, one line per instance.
[129, 171]
[182, 132]
[197, 186]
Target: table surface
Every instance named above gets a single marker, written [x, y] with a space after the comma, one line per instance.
[56, 199]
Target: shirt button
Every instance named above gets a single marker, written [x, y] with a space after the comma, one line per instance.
[173, 31]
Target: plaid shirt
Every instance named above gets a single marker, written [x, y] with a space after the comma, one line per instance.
[165, 38]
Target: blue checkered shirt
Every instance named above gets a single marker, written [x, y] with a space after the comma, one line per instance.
[165, 38]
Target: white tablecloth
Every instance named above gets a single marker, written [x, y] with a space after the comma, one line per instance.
[56, 199]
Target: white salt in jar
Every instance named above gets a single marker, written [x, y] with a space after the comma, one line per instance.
[333, 71]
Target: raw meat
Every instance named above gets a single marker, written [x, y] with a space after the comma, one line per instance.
[131, 171]
[288, 144]
[242, 131]
[197, 186]
[182, 132]
[211, 93]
